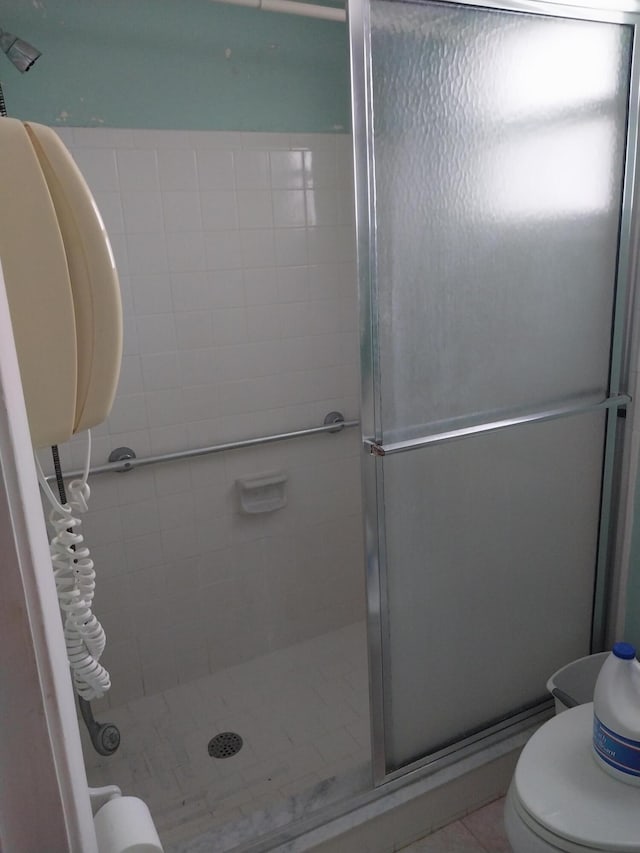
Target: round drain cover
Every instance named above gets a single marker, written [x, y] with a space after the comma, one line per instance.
[224, 745]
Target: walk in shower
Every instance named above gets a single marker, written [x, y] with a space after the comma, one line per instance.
[230, 581]
[267, 669]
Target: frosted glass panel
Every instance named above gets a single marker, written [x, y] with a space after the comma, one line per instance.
[499, 147]
[491, 548]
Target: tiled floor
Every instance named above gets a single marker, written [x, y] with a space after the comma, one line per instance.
[481, 831]
[303, 715]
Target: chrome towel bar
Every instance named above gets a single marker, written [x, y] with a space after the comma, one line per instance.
[562, 411]
[124, 459]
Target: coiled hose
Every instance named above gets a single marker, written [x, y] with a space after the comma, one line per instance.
[75, 584]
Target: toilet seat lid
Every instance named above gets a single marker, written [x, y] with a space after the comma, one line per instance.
[561, 787]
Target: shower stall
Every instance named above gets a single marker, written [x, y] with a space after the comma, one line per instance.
[227, 531]
[270, 674]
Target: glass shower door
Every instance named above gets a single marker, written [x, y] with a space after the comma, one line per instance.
[493, 249]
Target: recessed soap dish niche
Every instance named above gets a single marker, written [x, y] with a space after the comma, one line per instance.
[262, 492]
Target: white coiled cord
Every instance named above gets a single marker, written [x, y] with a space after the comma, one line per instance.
[75, 584]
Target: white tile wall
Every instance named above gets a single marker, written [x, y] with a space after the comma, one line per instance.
[236, 258]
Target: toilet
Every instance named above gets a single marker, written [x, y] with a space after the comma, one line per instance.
[559, 799]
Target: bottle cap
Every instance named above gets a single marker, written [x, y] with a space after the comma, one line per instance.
[624, 650]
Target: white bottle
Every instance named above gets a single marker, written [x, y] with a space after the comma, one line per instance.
[616, 715]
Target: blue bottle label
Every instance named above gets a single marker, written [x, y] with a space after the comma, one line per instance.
[621, 753]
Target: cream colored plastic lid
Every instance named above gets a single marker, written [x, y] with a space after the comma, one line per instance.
[93, 277]
[38, 289]
[562, 788]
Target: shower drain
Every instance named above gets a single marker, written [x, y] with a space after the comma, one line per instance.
[224, 745]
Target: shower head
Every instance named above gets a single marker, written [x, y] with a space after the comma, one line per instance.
[20, 52]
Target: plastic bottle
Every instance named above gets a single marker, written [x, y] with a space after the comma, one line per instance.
[616, 715]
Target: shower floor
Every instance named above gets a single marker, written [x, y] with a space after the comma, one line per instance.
[303, 715]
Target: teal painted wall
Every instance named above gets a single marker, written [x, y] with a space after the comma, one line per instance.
[187, 64]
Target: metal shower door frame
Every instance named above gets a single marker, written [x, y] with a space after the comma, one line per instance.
[374, 450]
